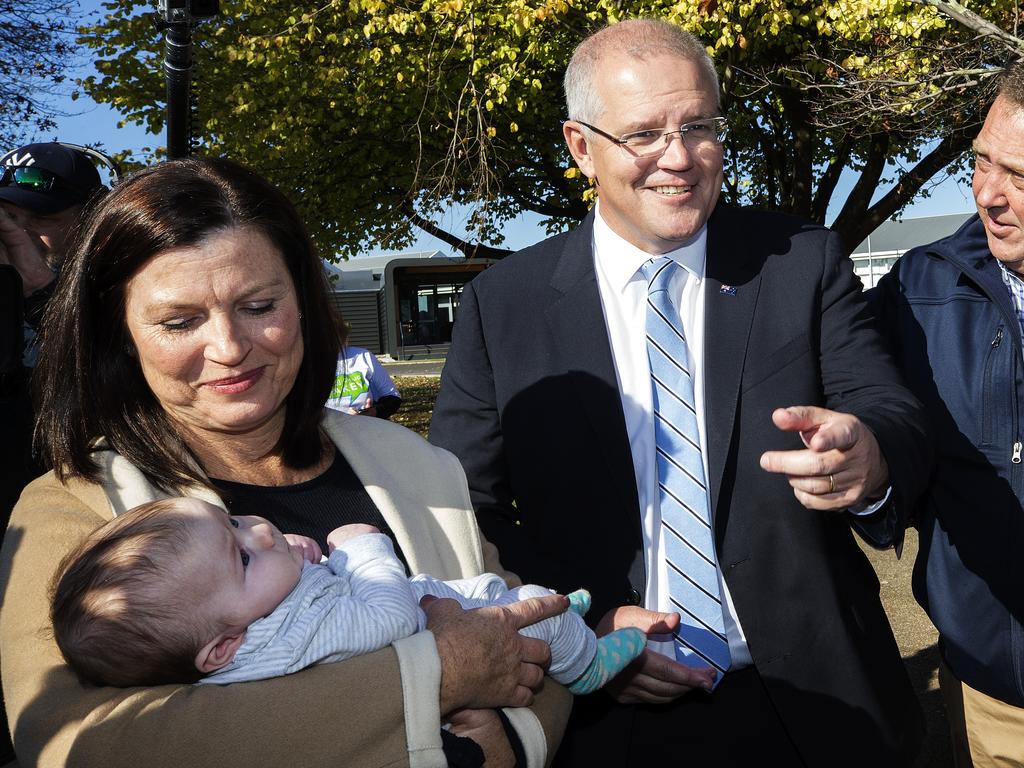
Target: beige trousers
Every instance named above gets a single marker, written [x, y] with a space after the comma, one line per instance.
[986, 732]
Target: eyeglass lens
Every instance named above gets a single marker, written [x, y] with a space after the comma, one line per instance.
[695, 135]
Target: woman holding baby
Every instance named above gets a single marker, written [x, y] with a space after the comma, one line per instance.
[189, 351]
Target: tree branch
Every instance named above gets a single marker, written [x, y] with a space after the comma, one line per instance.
[468, 249]
[974, 22]
[860, 196]
[803, 149]
[948, 150]
[830, 178]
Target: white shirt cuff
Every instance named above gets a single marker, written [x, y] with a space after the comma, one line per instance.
[863, 510]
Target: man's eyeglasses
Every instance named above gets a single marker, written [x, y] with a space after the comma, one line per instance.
[34, 179]
[698, 134]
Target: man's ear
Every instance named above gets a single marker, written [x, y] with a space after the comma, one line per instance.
[579, 147]
[219, 652]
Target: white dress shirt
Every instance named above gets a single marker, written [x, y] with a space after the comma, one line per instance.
[623, 291]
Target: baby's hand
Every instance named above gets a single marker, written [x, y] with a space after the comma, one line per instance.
[340, 535]
[308, 547]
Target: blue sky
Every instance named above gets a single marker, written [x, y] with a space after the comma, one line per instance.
[87, 122]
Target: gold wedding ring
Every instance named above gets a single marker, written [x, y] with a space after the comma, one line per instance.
[831, 483]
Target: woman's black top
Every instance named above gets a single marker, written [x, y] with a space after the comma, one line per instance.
[313, 508]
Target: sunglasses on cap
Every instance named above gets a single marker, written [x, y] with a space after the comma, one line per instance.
[34, 179]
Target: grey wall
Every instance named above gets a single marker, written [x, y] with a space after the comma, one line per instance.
[359, 309]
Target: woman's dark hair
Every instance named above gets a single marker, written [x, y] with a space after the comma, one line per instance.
[89, 384]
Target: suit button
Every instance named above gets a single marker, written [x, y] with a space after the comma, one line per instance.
[633, 598]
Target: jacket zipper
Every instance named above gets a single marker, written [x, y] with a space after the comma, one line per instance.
[1018, 446]
[1015, 471]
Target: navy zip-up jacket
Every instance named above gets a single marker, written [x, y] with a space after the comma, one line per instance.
[953, 329]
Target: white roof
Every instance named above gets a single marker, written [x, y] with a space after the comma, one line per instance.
[362, 273]
[900, 236]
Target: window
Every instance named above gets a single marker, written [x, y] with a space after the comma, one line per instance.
[427, 310]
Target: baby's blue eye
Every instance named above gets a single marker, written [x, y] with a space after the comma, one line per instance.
[234, 523]
[245, 558]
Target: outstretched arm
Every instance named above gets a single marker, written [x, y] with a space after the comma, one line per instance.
[870, 435]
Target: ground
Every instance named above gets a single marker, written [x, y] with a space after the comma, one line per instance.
[917, 639]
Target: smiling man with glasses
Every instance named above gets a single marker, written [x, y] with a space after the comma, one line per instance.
[682, 406]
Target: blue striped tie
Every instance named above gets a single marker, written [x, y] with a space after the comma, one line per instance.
[682, 493]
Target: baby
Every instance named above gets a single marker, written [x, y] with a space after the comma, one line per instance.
[178, 591]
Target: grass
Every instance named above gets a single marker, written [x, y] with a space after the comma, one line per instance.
[418, 396]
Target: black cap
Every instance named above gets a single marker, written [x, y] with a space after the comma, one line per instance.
[77, 175]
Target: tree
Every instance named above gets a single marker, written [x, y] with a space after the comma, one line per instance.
[375, 115]
[35, 43]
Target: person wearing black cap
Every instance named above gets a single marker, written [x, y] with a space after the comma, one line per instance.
[43, 188]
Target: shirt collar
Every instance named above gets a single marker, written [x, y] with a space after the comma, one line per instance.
[621, 260]
[1015, 284]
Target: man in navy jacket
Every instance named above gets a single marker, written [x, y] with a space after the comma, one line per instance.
[954, 311]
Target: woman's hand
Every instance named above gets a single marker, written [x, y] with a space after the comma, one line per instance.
[485, 662]
[308, 547]
[484, 727]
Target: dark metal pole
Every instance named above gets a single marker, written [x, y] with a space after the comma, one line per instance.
[178, 68]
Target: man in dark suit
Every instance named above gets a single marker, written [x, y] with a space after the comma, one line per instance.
[799, 428]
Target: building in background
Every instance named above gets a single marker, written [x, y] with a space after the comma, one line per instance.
[874, 257]
[402, 304]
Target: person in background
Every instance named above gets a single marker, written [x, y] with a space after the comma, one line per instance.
[43, 189]
[953, 311]
[188, 350]
[685, 407]
[362, 386]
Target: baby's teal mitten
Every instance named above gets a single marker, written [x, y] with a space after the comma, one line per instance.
[579, 602]
[614, 652]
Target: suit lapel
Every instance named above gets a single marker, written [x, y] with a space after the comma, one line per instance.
[577, 325]
[732, 283]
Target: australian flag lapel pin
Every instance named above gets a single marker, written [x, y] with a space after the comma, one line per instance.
[727, 290]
